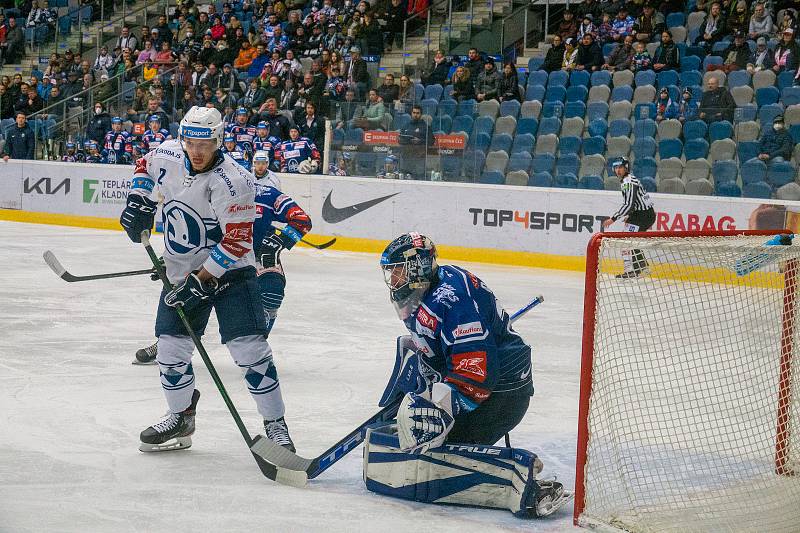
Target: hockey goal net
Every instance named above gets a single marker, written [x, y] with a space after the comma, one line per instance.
[689, 414]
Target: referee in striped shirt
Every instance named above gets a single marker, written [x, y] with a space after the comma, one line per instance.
[637, 212]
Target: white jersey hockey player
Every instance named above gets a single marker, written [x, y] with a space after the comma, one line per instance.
[208, 213]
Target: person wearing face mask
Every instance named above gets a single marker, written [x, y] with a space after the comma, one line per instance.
[99, 124]
[776, 145]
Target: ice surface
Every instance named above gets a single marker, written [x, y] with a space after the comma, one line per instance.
[72, 405]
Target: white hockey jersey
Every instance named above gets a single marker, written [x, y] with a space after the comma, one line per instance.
[208, 218]
[270, 178]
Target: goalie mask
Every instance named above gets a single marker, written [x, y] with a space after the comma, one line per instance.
[409, 268]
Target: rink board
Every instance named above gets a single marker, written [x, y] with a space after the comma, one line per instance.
[539, 227]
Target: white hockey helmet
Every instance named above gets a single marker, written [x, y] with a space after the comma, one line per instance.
[261, 155]
[202, 123]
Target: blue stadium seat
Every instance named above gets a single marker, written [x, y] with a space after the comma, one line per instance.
[594, 183]
[690, 62]
[785, 79]
[555, 93]
[620, 94]
[695, 129]
[578, 78]
[649, 183]
[543, 163]
[674, 92]
[541, 179]
[557, 78]
[644, 128]
[492, 177]
[666, 78]
[738, 78]
[338, 137]
[419, 92]
[691, 78]
[433, 92]
[753, 170]
[644, 110]
[790, 96]
[473, 164]
[780, 173]
[568, 164]
[451, 167]
[484, 125]
[767, 96]
[65, 25]
[447, 107]
[354, 136]
[729, 189]
[594, 145]
[467, 108]
[767, 113]
[608, 48]
[645, 77]
[509, 108]
[461, 123]
[596, 110]
[535, 93]
[429, 106]
[711, 60]
[794, 130]
[566, 181]
[534, 64]
[574, 109]
[644, 147]
[720, 46]
[552, 109]
[601, 77]
[481, 141]
[695, 149]
[537, 77]
[577, 93]
[644, 167]
[520, 161]
[758, 189]
[570, 145]
[501, 141]
[598, 128]
[724, 171]
[720, 130]
[619, 127]
[523, 142]
[747, 150]
[746, 112]
[670, 148]
[549, 125]
[527, 125]
[442, 124]
[676, 19]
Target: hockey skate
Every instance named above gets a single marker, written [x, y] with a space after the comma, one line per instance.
[173, 432]
[550, 497]
[278, 432]
[146, 356]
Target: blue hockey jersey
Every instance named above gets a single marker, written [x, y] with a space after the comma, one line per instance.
[240, 155]
[464, 337]
[153, 139]
[291, 153]
[117, 147]
[274, 206]
[244, 135]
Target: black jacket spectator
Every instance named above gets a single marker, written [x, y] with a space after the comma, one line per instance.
[590, 56]
[621, 56]
[388, 93]
[474, 64]
[6, 105]
[98, 126]
[278, 125]
[667, 54]
[509, 85]
[717, 104]
[438, 72]
[736, 54]
[20, 142]
[356, 69]
[463, 86]
[15, 44]
[555, 56]
[315, 130]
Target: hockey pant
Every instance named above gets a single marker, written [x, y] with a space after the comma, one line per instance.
[243, 330]
[272, 285]
[463, 474]
[634, 260]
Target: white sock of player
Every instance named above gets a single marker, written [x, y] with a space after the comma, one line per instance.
[253, 354]
[177, 376]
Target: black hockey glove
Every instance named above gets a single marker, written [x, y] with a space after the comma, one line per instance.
[191, 293]
[269, 252]
[137, 216]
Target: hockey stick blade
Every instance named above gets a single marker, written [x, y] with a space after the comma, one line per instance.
[56, 266]
[284, 476]
[321, 246]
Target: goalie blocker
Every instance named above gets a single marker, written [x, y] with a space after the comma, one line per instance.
[461, 474]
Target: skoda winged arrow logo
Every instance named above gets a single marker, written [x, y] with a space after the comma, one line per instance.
[332, 215]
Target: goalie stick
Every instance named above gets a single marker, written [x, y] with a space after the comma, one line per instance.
[56, 266]
[281, 475]
[294, 467]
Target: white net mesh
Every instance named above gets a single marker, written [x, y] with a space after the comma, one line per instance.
[687, 377]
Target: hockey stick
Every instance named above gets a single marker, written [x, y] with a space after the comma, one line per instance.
[311, 468]
[56, 266]
[320, 246]
[271, 471]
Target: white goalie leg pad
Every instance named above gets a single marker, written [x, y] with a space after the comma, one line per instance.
[477, 475]
[253, 354]
[175, 365]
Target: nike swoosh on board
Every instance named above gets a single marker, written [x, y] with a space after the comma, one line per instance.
[332, 215]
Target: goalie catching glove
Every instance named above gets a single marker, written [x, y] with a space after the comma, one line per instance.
[424, 419]
[138, 215]
[191, 293]
[309, 166]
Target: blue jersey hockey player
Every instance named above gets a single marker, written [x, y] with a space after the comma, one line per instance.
[237, 153]
[117, 144]
[263, 142]
[92, 152]
[155, 135]
[70, 156]
[298, 154]
[242, 133]
[208, 213]
[465, 381]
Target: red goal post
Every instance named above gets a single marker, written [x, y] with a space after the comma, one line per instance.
[648, 409]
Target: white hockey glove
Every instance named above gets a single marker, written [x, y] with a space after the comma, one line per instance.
[424, 420]
[306, 167]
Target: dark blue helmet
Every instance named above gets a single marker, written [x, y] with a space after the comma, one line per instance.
[409, 268]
